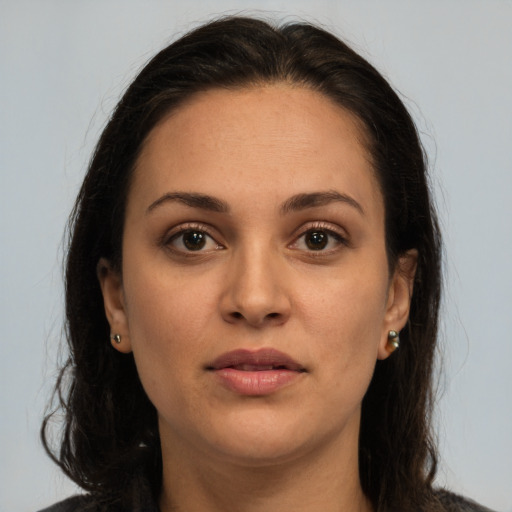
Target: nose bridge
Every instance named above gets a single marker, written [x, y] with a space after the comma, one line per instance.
[255, 291]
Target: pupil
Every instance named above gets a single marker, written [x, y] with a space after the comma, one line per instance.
[194, 240]
[316, 240]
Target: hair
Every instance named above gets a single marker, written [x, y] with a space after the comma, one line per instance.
[110, 428]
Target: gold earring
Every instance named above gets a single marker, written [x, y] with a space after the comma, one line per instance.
[116, 338]
[393, 340]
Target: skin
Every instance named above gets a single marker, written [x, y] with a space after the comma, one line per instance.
[256, 283]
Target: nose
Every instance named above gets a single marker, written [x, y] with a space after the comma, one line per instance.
[255, 290]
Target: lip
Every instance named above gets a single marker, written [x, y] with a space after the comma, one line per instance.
[256, 372]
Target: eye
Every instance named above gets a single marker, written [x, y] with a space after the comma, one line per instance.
[318, 239]
[195, 240]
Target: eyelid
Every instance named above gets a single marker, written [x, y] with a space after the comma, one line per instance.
[321, 225]
[176, 231]
[331, 229]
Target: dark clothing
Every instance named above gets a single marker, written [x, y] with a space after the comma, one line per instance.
[450, 501]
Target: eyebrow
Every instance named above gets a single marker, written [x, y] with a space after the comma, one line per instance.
[315, 199]
[293, 204]
[194, 200]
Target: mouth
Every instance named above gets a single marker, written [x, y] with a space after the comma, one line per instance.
[256, 361]
[256, 373]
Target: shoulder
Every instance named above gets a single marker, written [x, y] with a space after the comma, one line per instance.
[136, 496]
[134, 499]
[454, 503]
[74, 504]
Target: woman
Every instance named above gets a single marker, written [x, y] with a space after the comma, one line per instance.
[252, 287]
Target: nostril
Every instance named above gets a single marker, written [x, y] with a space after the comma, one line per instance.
[238, 316]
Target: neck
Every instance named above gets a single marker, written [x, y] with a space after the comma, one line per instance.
[326, 479]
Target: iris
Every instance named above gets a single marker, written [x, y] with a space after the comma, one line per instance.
[194, 240]
[316, 240]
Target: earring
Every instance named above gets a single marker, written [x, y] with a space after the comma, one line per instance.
[393, 340]
[116, 338]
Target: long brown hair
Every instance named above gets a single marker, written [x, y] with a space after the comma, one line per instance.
[110, 429]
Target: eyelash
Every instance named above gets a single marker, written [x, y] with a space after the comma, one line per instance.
[326, 229]
[175, 235]
[320, 227]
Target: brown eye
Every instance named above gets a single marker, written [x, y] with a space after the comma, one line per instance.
[316, 240]
[319, 239]
[194, 240]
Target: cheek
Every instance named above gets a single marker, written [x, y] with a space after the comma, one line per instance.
[346, 320]
[168, 320]
[354, 300]
[165, 306]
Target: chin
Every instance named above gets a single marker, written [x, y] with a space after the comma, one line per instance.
[255, 452]
[265, 439]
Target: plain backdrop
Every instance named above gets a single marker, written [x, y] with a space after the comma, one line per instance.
[63, 65]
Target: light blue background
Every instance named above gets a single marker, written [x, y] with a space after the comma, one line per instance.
[63, 65]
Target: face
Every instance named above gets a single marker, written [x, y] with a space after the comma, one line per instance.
[255, 292]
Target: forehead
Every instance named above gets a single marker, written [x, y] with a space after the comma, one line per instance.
[291, 138]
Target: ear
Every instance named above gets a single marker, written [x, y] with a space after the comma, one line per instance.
[399, 299]
[114, 302]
